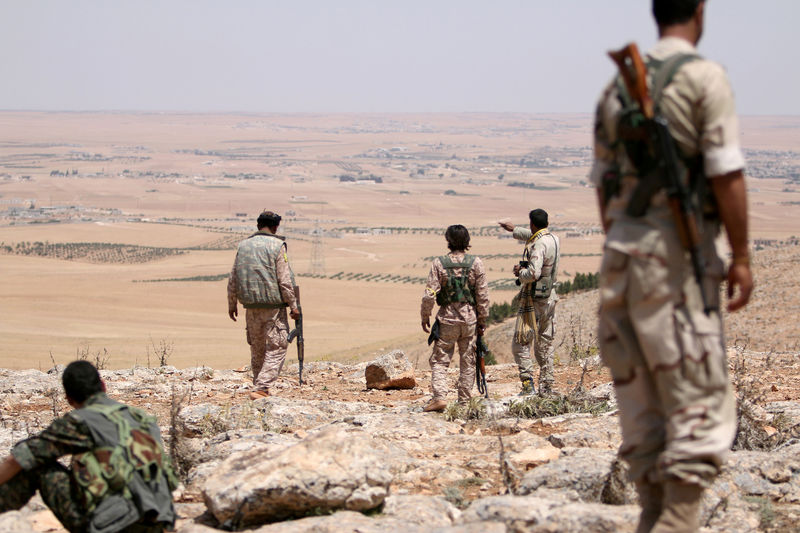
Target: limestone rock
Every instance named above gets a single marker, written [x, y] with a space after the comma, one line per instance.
[430, 511]
[205, 455]
[342, 522]
[533, 514]
[26, 382]
[533, 456]
[584, 470]
[14, 522]
[390, 371]
[595, 432]
[337, 468]
[774, 475]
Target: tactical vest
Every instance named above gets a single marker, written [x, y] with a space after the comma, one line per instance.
[127, 477]
[456, 288]
[256, 276]
[542, 287]
[632, 136]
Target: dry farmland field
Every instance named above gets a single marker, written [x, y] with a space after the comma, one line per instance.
[117, 230]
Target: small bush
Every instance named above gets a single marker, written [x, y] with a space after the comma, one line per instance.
[557, 404]
[475, 409]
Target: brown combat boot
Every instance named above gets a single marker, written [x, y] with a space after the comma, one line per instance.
[681, 508]
[258, 394]
[651, 496]
[435, 405]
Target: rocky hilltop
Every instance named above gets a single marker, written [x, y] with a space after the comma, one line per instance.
[336, 456]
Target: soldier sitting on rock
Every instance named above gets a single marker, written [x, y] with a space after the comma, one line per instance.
[457, 282]
[120, 478]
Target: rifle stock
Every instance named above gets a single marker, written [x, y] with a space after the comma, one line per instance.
[634, 75]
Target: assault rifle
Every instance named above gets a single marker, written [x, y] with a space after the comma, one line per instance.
[480, 366]
[298, 332]
[662, 147]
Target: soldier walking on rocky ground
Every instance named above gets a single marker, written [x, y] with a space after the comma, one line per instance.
[120, 478]
[665, 163]
[536, 323]
[457, 282]
[262, 280]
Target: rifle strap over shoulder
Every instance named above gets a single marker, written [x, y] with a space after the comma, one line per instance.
[633, 133]
[449, 264]
[664, 71]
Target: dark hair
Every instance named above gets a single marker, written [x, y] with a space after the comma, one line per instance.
[81, 380]
[268, 219]
[538, 218]
[669, 12]
[457, 237]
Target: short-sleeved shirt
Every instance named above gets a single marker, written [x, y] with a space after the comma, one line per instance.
[699, 107]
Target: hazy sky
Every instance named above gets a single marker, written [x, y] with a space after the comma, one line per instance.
[373, 56]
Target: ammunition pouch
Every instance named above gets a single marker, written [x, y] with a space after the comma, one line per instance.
[542, 288]
[113, 513]
[456, 288]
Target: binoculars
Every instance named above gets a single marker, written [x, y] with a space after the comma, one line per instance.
[522, 264]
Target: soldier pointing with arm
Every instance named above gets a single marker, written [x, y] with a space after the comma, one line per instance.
[660, 325]
[536, 276]
[262, 280]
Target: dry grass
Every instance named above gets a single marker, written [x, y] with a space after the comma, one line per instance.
[175, 166]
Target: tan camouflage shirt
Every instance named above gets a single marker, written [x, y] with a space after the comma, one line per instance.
[457, 311]
[543, 256]
[699, 107]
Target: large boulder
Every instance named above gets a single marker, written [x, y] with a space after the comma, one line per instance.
[336, 468]
[390, 371]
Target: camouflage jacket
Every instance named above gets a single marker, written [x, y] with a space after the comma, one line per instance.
[543, 255]
[261, 276]
[458, 311]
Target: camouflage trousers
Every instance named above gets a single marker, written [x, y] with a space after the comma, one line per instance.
[451, 334]
[61, 495]
[543, 348]
[267, 335]
[668, 363]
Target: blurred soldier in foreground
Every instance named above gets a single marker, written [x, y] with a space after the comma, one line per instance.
[660, 325]
[536, 323]
[457, 282]
[262, 280]
[120, 478]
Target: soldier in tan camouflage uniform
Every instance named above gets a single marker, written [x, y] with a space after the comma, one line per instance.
[262, 280]
[536, 321]
[666, 355]
[457, 282]
[80, 497]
